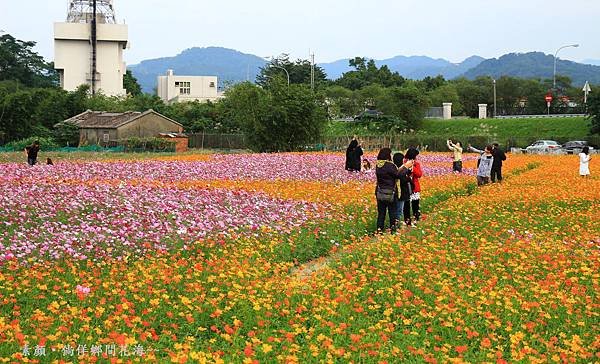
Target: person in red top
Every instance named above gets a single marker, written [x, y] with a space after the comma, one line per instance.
[415, 197]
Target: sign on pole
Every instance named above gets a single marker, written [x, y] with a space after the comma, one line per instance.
[586, 90]
[548, 99]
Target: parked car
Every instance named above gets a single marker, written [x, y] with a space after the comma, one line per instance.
[575, 146]
[543, 146]
[368, 114]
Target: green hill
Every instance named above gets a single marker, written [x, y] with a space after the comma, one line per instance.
[535, 65]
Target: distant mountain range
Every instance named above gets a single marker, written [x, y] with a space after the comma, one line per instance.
[595, 62]
[232, 66]
[229, 65]
[535, 65]
[414, 67]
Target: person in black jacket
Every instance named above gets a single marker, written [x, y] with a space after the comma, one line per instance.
[32, 153]
[353, 156]
[499, 157]
[386, 190]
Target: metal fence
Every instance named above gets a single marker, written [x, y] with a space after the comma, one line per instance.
[395, 142]
[217, 141]
[435, 113]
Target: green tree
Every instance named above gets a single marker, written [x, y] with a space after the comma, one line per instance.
[594, 111]
[341, 102]
[533, 91]
[130, 83]
[407, 103]
[446, 93]
[19, 62]
[299, 71]
[277, 119]
[66, 134]
[32, 111]
[369, 97]
[431, 83]
[473, 93]
[367, 73]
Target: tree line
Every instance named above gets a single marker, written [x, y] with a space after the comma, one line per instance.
[274, 116]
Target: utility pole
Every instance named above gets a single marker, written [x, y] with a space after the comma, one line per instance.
[494, 98]
[94, 48]
[312, 71]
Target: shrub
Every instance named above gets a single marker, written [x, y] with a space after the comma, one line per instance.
[280, 118]
[148, 145]
[45, 143]
[594, 112]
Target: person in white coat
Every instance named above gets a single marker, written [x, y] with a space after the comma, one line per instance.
[584, 162]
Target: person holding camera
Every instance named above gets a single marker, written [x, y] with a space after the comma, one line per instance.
[457, 149]
[353, 156]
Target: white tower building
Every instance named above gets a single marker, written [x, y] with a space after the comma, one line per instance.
[88, 48]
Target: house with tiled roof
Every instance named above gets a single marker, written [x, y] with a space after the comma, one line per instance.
[108, 128]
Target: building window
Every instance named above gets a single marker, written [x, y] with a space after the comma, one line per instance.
[212, 84]
[185, 88]
[106, 137]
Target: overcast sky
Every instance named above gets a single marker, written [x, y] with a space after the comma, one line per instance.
[334, 29]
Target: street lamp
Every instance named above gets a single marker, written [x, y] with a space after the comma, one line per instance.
[556, 55]
[286, 72]
[494, 81]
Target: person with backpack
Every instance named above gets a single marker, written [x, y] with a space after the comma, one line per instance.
[386, 189]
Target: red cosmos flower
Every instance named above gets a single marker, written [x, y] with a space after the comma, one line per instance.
[461, 349]
[248, 351]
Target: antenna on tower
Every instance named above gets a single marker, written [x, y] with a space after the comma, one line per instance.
[81, 11]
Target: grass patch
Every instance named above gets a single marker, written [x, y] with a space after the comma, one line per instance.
[502, 129]
[546, 128]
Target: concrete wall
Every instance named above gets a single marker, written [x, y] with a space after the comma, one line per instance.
[73, 50]
[96, 136]
[200, 88]
[148, 126]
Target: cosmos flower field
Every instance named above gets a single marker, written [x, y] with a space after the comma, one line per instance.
[271, 258]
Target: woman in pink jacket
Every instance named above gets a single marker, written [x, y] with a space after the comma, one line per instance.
[415, 197]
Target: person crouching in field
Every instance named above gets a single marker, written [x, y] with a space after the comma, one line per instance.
[484, 164]
[366, 165]
[386, 193]
[403, 186]
[457, 149]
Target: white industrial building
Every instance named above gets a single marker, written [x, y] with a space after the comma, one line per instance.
[172, 88]
[91, 52]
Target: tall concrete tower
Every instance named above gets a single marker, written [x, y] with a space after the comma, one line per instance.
[88, 48]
